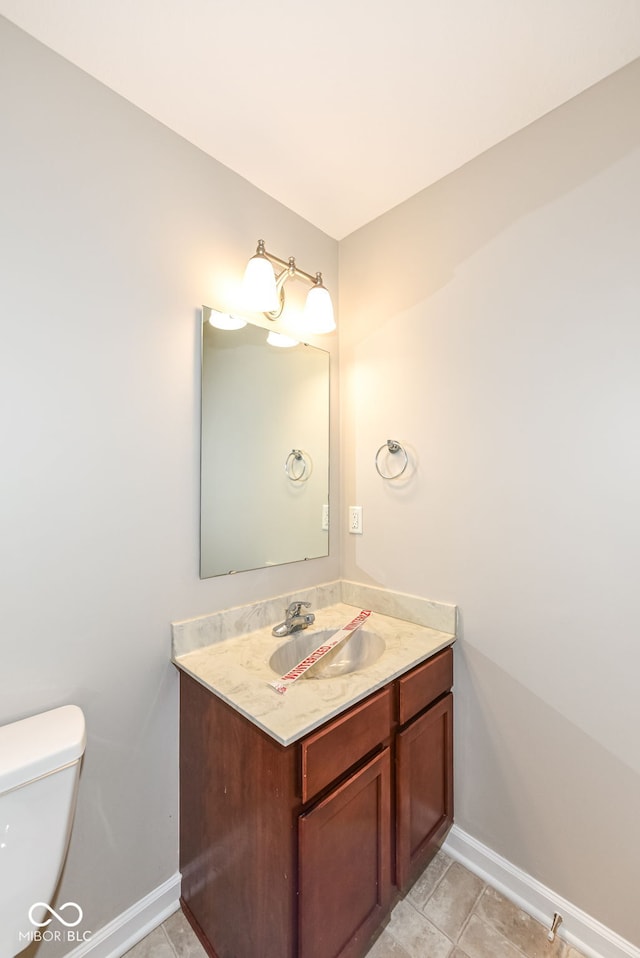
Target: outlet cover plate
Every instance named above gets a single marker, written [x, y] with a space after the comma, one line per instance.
[355, 520]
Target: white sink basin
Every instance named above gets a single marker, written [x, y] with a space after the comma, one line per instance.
[360, 650]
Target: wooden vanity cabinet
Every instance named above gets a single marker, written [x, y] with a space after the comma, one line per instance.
[293, 852]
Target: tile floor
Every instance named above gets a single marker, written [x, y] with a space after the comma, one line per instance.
[448, 913]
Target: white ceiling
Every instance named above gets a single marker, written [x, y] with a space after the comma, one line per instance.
[343, 108]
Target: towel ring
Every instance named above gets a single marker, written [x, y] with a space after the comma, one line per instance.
[302, 473]
[393, 447]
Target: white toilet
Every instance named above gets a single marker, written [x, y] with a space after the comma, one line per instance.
[39, 768]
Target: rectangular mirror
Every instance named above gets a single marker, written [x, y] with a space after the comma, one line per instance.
[264, 479]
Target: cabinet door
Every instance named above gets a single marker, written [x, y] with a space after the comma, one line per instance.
[424, 789]
[345, 864]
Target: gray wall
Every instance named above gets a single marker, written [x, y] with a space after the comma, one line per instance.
[491, 323]
[113, 231]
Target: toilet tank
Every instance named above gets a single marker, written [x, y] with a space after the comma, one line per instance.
[39, 767]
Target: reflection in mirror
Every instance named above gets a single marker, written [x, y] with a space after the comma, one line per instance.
[264, 485]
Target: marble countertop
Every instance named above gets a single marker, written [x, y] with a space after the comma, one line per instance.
[237, 670]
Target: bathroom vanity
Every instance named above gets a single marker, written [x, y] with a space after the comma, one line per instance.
[297, 845]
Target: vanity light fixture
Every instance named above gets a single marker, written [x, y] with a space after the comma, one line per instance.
[264, 290]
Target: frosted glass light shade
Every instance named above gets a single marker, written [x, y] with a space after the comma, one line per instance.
[259, 286]
[279, 339]
[318, 311]
[226, 320]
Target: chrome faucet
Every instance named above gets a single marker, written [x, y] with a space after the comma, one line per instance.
[295, 619]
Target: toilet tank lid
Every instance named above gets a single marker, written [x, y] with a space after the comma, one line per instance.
[40, 744]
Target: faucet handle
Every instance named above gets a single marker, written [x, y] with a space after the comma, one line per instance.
[296, 608]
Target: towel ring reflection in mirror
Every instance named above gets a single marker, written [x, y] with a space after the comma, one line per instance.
[297, 468]
[394, 448]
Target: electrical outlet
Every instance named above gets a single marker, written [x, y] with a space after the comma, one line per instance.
[355, 520]
[325, 518]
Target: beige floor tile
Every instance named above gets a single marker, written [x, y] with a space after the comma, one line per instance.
[451, 903]
[418, 937]
[182, 936]
[458, 953]
[387, 947]
[521, 929]
[425, 885]
[155, 945]
[573, 953]
[480, 940]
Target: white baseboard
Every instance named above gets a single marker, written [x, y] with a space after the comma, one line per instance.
[132, 925]
[582, 931]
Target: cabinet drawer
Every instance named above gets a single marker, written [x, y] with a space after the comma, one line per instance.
[424, 685]
[333, 749]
